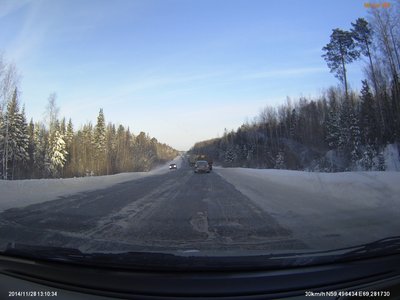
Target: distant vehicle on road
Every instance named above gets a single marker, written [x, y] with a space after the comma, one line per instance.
[202, 166]
[200, 157]
[173, 167]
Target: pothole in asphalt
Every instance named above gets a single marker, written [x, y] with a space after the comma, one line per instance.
[199, 223]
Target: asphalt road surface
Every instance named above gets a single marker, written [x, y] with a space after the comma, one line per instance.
[179, 210]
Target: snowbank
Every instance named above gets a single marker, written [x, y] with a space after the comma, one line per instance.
[19, 193]
[392, 157]
[327, 209]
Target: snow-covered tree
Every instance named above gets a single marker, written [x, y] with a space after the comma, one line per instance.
[293, 124]
[40, 142]
[100, 133]
[31, 147]
[86, 153]
[100, 142]
[230, 155]
[349, 133]
[63, 127]
[355, 142]
[381, 161]
[69, 132]
[333, 130]
[368, 115]
[58, 153]
[280, 160]
[111, 144]
[345, 121]
[23, 143]
[367, 159]
[15, 138]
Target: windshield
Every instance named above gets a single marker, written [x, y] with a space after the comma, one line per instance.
[291, 109]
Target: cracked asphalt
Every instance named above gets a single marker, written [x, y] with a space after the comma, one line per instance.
[179, 210]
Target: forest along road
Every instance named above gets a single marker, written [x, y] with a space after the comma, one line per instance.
[179, 210]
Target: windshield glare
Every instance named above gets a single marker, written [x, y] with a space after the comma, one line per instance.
[199, 128]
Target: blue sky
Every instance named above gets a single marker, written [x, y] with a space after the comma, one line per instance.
[181, 70]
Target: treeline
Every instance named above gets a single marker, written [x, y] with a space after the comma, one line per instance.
[340, 130]
[54, 149]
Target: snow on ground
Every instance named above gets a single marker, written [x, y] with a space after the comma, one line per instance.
[392, 157]
[330, 210]
[325, 209]
[19, 193]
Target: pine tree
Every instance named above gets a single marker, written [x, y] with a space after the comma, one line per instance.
[16, 140]
[367, 159]
[293, 124]
[111, 144]
[87, 149]
[280, 160]
[40, 141]
[100, 143]
[58, 153]
[23, 144]
[230, 155]
[355, 142]
[368, 116]
[345, 121]
[69, 133]
[70, 147]
[381, 162]
[362, 34]
[63, 127]
[339, 52]
[31, 148]
[120, 151]
[332, 130]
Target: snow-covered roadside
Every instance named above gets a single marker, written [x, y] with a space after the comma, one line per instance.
[330, 210]
[19, 193]
[392, 157]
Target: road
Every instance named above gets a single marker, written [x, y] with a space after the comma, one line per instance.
[179, 210]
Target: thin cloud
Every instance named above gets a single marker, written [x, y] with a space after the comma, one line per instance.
[158, 81]
[177, 85]
[37, 28]
[31, 34]
[8, 7]
[291, 72]
[131, 90]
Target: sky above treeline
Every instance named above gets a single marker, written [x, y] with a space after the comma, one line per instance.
[180, 70]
